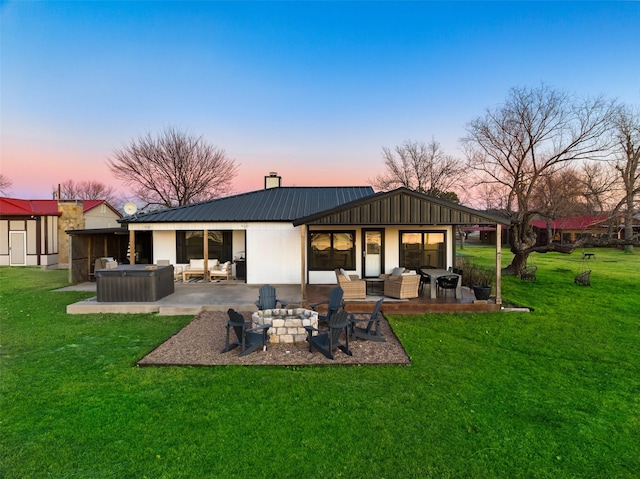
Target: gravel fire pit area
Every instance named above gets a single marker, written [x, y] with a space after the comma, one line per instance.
[199, 344]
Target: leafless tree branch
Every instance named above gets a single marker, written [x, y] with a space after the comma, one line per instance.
[173, 169]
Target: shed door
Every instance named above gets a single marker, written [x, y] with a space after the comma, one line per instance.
[17, 248]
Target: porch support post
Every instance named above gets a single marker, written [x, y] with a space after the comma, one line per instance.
[132, 247]
[205, 248]
[70, 271]
[498, 263]
[89, 248]
[303, 262]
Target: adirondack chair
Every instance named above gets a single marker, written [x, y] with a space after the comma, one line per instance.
[372, 329]
[249, 339]
[334, 304]
[326, 341]
[267, 298]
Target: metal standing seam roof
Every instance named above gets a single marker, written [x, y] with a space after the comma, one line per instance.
[19, 207]
[272, 204]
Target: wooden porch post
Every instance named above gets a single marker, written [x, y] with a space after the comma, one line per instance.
[303, 262]
[89, 247]
[132, 247]
[205, 248]
[498, 263]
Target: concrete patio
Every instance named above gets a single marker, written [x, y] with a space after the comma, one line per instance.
[191, 298]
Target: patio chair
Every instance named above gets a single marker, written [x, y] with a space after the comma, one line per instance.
[221, 270]
[447, 282]
[326, 341]
[351, 284]
[371, 331]
[425, 279]
[334, 305]
[249, 339]
[402, 287]
[267, 298]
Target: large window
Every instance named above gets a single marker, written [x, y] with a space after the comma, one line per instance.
[329, 250]
[190, 245]
[419, 248]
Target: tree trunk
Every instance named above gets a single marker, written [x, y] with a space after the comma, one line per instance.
[517, 265]
[522, 239]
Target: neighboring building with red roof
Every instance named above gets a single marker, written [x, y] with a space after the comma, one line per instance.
[32, 232]
[568, 230]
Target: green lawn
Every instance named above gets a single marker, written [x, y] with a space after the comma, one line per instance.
[550, 394]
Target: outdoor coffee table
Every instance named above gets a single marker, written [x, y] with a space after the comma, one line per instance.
[371, 282]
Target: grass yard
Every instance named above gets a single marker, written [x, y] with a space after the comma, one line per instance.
[554, 393]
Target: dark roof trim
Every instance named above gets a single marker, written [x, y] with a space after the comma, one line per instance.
[99, 231]
[398, 207]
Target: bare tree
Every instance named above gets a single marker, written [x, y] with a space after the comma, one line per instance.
[627, 125]
[533, 134]
[5, 184]
[173, 169]
[422, 167]
[598, 183]
[87, 190]
[560, 194]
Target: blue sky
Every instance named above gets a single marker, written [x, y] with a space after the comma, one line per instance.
[312, 90]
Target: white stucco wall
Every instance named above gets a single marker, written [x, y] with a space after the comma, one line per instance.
[164, 246]
[273, 253]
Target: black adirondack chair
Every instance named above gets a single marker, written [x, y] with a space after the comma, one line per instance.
[448, 282]
[249, 339]
[267, 298]
[328, 340]
[371, 331]
[334, 305]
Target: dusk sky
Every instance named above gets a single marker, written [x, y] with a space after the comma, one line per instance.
[312, 90]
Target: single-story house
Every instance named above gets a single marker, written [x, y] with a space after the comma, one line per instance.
[300, 235]
[33, 232]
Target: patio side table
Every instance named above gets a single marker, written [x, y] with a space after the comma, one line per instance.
[371, 284]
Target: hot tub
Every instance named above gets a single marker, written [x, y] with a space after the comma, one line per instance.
[134, 283]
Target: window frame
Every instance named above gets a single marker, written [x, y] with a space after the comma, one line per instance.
[333, 264]
[401, 257]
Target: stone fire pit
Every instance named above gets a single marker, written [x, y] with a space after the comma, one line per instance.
[287, 325]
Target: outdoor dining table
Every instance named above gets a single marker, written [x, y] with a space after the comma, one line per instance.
[434, 274]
